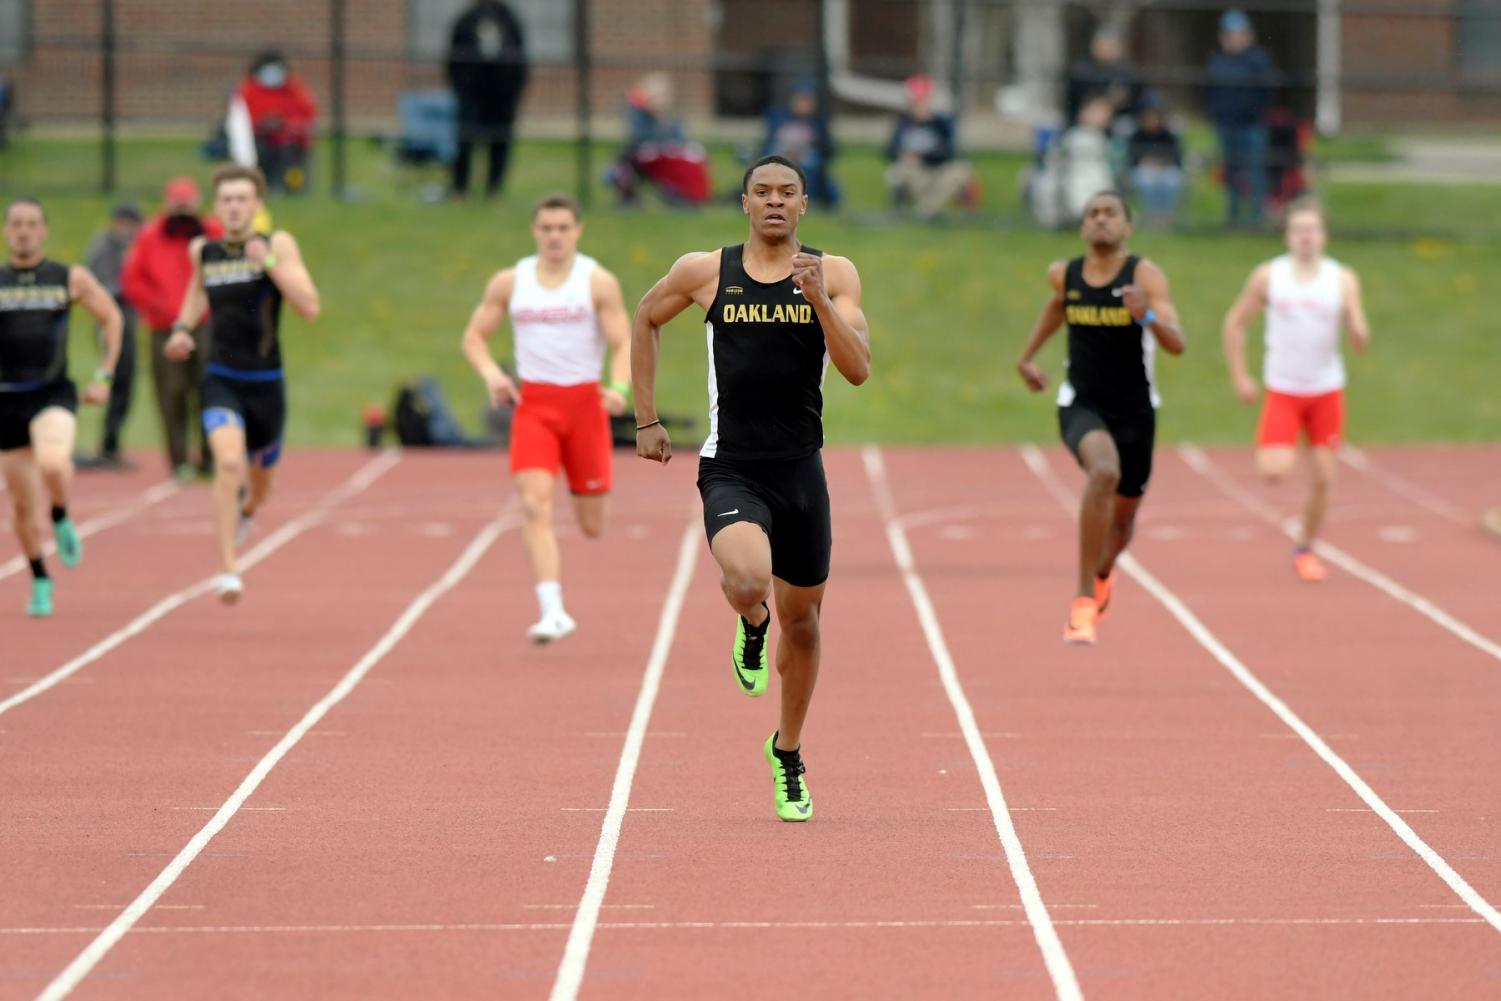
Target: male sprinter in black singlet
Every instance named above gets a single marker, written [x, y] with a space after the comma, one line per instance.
[37, 399]
[244, 277]
[778, 312]
[1118, 310]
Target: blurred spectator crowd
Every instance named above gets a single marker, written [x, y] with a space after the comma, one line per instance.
[1113, 131]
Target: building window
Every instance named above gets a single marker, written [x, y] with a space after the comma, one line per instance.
[546, 25]
[1478, 26]
[13, 33]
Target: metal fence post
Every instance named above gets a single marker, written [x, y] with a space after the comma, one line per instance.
[336, 69]
[582, 65]
[107, 96]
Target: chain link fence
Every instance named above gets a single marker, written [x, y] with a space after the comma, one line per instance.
[113, 96]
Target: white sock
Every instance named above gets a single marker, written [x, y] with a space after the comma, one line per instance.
[550, 597]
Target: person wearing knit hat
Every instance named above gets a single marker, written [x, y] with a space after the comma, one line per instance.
[1240, 81]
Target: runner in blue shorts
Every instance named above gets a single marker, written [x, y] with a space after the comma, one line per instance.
[243, 278]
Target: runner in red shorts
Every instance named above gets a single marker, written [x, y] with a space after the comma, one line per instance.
[1308, 299]
[565, 310]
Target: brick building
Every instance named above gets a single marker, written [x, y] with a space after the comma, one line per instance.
[177, 60]
[1427, 61]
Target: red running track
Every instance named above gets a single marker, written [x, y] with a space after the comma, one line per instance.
[433, 834]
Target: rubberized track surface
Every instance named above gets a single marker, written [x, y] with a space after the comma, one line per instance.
[362, 783]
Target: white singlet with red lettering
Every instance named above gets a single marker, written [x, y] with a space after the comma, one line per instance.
[1303, 321]
[558, 340]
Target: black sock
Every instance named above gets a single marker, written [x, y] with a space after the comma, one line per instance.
[784, 755]
[38, 569]
[764, 622]
[58, 513]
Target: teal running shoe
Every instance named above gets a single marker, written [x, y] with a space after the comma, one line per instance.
[40, 605]
[69, 542]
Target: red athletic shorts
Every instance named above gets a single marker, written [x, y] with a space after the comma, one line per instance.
[563, 426]
[1284, 415]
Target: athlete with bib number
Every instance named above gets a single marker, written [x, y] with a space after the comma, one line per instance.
[565, 310]
[1307, 298]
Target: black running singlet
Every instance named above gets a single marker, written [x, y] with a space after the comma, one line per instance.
[1109, 354]
[34, 305]
[766, 366]
[245, 309]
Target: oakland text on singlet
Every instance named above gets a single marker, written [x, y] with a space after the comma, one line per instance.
[767, 361]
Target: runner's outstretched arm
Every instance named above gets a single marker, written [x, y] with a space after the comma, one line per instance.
[1355, 321]
[1252, 300]
[483, 323]
[666, 299]
[291, 276]
[88, 293]
[1150, 295]
[194, 306]
[832, 287]
[1046, 326]
[615, 325]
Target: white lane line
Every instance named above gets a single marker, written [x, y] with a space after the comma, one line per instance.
[85, 961]
[1205, 467]
[604, 809]
[569, 907]
[1060, 970]
[215, 809]
[94, 526]
[531, 926]
[366, 475]
[570, 974]
[1241, 673]
[1361, 809]
[1405, 488]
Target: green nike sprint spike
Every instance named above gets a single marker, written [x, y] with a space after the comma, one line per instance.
[69, 542]
[40, 605]
[793, 799]
[749, 656]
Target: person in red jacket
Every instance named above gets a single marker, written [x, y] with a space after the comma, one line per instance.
[282, 114]
[154, 280]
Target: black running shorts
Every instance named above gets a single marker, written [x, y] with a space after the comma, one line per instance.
[258, 407]
[1134, 436]
[19, 409]
[788, 498]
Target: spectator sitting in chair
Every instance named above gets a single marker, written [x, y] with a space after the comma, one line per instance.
[1076, 167]
[657, 150]
[799, 130]
[925, 170]
[1155, 158]
[282, 115]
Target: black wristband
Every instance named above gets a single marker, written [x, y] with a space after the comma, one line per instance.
[643, 427]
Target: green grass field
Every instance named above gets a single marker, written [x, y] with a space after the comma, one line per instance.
[949, 306]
